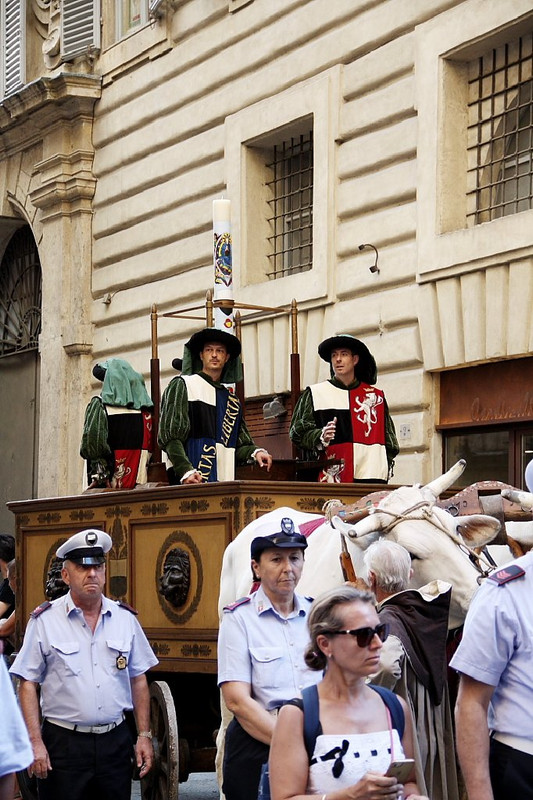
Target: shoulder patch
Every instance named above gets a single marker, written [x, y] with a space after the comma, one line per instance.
[237, 603]
[506, 574]
[39, 610]
[128, 607]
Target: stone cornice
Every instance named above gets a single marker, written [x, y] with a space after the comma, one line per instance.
[26, 116]
[67, 183]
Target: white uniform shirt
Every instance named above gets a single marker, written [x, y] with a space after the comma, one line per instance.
[497, 649]
[15, 749]
[80, 680]
[258, 646]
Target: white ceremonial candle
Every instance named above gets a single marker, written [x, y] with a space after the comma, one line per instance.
[221, 212]
[222, 261]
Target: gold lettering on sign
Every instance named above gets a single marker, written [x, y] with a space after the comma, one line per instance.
[502, 410]
[230, 418]
[205, 464]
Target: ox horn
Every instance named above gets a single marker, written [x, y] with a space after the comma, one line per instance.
[362, 528]
[524, 499]
[443, 482]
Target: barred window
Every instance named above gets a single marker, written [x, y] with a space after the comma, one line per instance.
[500, 132]
[20, 294]
[290, 244]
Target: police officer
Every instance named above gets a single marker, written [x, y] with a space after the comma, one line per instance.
[89, 656]
[260, 655]
[494, 659]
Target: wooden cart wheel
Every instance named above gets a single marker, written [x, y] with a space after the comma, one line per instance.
[162, 782]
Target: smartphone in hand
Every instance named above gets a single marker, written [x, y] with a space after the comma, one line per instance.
[401, 770]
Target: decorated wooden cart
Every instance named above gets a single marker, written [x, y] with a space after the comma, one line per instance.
[168, 544]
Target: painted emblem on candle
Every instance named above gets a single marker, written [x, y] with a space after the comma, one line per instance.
[223, 273]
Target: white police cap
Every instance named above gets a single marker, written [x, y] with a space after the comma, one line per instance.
[86, 547]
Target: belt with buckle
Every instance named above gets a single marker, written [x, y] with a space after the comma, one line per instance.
[516, 742]
[72, 726]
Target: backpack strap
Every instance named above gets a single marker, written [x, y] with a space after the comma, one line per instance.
[312, 726]
[394, 706]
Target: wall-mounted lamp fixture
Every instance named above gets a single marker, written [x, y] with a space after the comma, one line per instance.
[374, 267]
[274, 409]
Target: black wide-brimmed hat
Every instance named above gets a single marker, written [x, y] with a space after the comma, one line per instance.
[365, 369]
[198, 341]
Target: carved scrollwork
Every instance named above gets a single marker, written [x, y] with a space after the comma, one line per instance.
[47, 14]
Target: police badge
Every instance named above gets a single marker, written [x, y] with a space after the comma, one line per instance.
[122, 661]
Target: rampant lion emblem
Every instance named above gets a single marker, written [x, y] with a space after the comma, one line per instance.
[365, 410]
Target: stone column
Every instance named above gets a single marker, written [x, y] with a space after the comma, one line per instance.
[63, 196]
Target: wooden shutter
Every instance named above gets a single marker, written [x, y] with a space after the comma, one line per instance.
[12, 45]
[80, 27]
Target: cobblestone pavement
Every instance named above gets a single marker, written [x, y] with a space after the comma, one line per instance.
[200, 786]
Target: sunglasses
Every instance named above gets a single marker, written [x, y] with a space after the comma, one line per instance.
[364, 636]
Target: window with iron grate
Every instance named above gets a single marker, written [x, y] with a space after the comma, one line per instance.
[290, 244]
[20, 294]
[500, 132]
[282, 207]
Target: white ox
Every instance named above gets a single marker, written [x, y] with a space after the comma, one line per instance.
[407, 515]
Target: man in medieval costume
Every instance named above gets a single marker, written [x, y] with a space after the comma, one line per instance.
[117, 430]
[347, 416]
[201, 428]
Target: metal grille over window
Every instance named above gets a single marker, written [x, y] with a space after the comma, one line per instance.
[291, 202]
[500, 131]
[20, 295]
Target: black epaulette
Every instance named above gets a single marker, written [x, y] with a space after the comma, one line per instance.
[506, 574]
[237, 603]
[39, 610]
[128, 607]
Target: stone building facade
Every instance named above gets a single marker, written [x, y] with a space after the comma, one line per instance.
[401, 124]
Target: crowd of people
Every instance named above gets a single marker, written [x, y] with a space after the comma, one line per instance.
[341, 697]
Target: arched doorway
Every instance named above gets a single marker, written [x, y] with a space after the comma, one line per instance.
[20, 325]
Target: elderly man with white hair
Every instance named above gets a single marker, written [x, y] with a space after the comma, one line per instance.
[413, 660]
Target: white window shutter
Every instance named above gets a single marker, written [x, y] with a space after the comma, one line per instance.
[12, 45]
[80, 27]
[155, 7]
